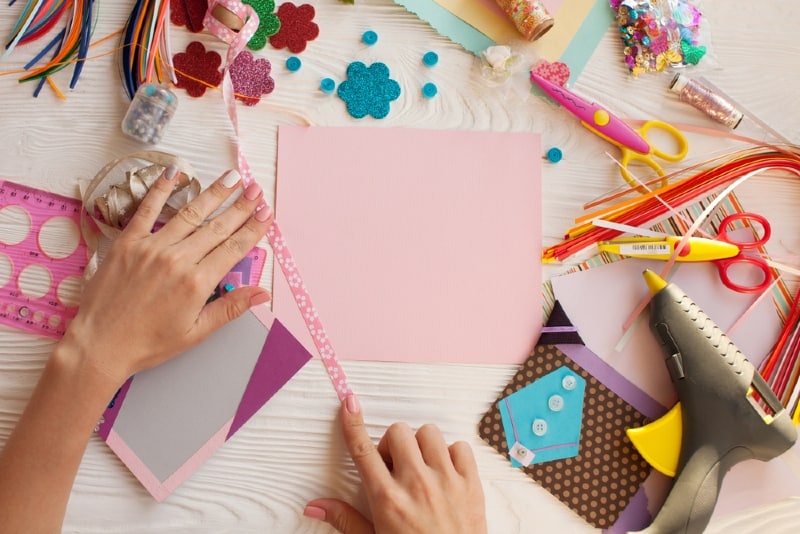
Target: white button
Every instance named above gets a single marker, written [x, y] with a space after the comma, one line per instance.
[521, 454]
[539, 427]
[556, 403]
[569, 382]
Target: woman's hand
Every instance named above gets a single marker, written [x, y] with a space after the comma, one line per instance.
[147, 301]
[415, 483]
[145, 304]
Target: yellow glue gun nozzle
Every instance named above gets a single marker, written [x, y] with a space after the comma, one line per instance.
[654, 282]
[659, 442]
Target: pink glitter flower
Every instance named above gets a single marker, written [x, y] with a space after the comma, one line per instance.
[251, 78]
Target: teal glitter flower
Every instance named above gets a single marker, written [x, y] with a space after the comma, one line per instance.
[368, 90]
[268, 22]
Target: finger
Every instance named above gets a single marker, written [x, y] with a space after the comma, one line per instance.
[368, 462]
[339, 515]
[434, 448]
[192, 215]
[227, 308]
[226, 223]
[231, 251]
[146, 214]
[400, 446]
[464, 460]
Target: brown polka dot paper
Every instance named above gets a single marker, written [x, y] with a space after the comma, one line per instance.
[600, 481]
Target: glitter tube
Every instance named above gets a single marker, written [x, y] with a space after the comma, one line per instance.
[706, 100]
[530, 17]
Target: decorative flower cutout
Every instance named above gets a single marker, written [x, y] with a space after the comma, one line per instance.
[268, 22]
[197, 69]
[556, 72]
[251, 78]
[368, 90]
[296, 27]
[189, 13]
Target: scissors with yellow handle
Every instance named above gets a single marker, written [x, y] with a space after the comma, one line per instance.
[634, 144]
[725, 251]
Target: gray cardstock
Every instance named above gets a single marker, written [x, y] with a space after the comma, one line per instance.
[169, 414]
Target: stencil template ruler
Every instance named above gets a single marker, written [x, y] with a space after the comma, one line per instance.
[42, 258]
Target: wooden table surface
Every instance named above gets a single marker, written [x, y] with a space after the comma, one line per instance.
[291, 451]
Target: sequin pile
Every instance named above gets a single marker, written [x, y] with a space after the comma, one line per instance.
[658, 33]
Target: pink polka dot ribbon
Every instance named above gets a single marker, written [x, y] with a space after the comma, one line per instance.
[237, 42]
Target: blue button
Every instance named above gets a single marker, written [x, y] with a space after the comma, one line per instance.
[327, 85]
[430, 59]
[429, 90]
[554, 155]
[293, 63]
[369, 37]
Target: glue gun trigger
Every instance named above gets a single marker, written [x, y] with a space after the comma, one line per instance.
[674, 361]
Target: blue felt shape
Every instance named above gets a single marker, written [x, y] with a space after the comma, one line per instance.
[533, 403]
[368, 90]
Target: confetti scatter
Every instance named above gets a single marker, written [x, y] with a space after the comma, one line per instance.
[368, 90]
[251, 78]
[197, 69]
[189, 13]
[268, 22]
[297, 27]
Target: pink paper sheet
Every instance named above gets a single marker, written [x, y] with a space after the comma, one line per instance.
[416, 245]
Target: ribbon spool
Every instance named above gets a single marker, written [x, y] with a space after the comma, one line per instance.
[229, 18]
[530, 17]
[110, 200]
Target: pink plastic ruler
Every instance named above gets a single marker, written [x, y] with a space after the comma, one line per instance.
[27, 253]
[48, 313]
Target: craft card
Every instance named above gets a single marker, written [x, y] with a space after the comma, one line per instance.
[585, 460]
[166, 421]
[416, 245]
[477, 24]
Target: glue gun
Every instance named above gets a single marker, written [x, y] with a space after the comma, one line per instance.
[725, 414]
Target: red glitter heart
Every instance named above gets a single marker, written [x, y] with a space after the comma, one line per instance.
[556, 72]
[297, 27]
[197, 69]
[189, 13]
[251, 78]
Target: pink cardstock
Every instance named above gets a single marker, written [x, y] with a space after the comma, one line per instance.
[416, 245]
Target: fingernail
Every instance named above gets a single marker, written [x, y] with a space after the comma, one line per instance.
[352, 404]
[228, 288]
[315, 512]
[263, 212]
[252, 191]
[260, 298]
[231, 178]
[171, 172]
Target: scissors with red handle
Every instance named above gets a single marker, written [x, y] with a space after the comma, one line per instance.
[725, 251]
